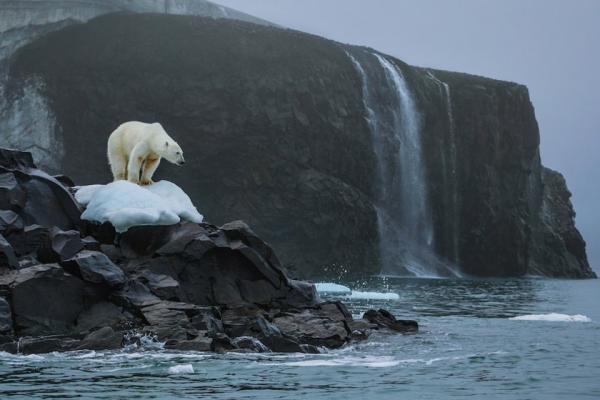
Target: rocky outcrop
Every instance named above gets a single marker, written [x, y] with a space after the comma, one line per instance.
[276, 133]
[68, 284]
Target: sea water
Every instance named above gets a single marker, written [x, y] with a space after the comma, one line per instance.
[492, 339]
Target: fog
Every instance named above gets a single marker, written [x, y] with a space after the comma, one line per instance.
[551, 46]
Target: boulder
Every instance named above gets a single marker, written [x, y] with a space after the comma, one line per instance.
[95, 267]
[105, 314]
[200, 343]
[162, 286]
[384, 319]
[60, 246]
[103, 339]
[8, 258]
[29, 240]
[46, 300]
[11, 194]
[6, 323]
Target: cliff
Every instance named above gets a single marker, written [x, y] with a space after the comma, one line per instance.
[298, 135]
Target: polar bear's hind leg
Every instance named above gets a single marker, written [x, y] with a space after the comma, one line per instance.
[118, 166]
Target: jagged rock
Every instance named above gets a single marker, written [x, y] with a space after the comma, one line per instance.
[324, 325]
[5, 316]
[103, 314]
[44, 345]
[249, 344]
[162, 286]
[173, 320]
[383, 318]
[10, 222]
[31, 238]
[222, 343]
[45, 299]
[60, 246]
[134, 295]
[90, 243]
[195, 286]
[200, 343]
[8, 259]
[272, 337]
[95, 267]
[141, 241]
[102, 339]
[11, 194]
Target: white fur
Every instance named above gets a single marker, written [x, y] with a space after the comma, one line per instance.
[136, 147]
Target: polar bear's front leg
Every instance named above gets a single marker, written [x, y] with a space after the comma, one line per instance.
[136, 158]
[148, 169]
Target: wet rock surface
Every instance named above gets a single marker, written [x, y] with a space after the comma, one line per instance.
[191, 286]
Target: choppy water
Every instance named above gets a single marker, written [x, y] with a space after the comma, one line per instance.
[468, 347]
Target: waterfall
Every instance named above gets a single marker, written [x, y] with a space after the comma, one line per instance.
[403, 214]
[450, 176]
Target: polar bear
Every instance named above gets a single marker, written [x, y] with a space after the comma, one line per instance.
[136, 146]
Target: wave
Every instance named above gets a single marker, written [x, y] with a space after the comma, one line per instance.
[369, 361]
[334, 289]
[372, 296]
[552, 317]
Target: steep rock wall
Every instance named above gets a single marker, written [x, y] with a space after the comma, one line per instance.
[274, 128]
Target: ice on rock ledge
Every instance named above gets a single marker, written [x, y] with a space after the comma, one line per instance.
[125, 204]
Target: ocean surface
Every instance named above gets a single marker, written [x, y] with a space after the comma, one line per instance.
[482, 339]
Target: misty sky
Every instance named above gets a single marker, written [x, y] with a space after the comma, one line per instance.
[552, 46]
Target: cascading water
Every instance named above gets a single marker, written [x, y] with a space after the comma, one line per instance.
[450, 176]
[404, 220]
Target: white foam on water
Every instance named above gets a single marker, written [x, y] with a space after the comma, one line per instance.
[356, 295]
[552, 317]
[334, 289]
[181, 369]
[369, 361]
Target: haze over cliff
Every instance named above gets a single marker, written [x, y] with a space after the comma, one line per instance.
[342, 157]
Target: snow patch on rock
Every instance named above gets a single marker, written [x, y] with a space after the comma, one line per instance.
[125, 204]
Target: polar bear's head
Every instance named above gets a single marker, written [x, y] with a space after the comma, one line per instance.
[165, 146]
[172, 152]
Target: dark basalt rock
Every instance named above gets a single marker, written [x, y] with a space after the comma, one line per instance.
[8, 259]
[383, 318]
[95, 267]
[194, 286]
[46, 300]
[103, 339]
[60, 246]
[6, 322]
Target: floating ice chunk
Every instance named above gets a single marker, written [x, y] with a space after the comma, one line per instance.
[181, 369]
[125, 204]
[328, 287]
[553, 317]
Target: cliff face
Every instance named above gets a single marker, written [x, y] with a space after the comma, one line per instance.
[279, 129]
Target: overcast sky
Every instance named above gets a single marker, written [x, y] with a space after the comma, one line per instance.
[552, 46]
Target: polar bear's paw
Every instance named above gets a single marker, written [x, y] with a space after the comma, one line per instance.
[145, 182]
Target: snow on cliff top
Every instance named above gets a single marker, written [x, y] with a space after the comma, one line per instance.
[125, 204]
